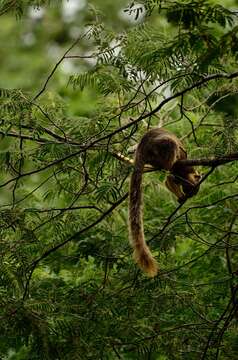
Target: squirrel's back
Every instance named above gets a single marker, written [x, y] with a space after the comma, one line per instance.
[161, 149]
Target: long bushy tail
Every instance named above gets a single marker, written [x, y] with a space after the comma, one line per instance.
[142, 254]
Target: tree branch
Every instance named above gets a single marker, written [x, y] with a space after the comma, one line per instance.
[58, 63]
[210, 161]
[71, 238]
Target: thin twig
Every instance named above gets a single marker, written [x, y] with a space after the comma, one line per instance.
[71, 238]
[58, 63]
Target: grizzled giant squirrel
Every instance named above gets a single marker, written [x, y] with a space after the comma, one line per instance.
[161, 149]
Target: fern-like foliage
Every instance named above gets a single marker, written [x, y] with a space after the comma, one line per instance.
[77, 89]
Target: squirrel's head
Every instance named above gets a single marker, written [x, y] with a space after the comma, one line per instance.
[190, 184]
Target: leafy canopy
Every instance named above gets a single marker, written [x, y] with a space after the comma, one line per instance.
[79, 87]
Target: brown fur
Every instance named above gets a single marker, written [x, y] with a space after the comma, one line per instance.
[161, 149]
